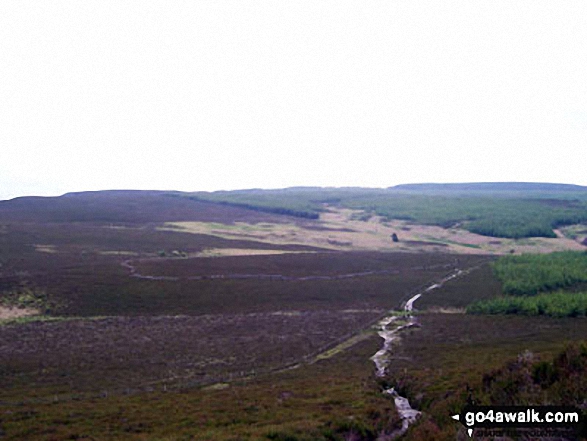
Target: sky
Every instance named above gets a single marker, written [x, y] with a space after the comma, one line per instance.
[216, 94]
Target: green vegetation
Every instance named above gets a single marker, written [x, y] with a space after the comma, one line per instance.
[509, 214]
[530, 380]
[528, 282]
[39, 318]
[558, 304]
[297, 204]
[23, 296]
[496, 216]
[530, 274]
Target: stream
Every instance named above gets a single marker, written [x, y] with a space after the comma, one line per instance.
[388, 329]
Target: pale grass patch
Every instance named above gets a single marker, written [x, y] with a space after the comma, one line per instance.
[51, 249]
[217, 386]
[224, 252]
[10, 312]
[286, 313]
[343, 346]
[577, 233]
[440, 310]
[278, 234]
[119, 253]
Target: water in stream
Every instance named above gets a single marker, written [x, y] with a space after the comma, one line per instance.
[388, 329]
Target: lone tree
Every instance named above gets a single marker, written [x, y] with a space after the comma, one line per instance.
[394, 237]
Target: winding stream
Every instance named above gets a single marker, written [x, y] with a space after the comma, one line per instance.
[388, 329]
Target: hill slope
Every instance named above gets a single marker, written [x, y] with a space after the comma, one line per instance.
[123, 206]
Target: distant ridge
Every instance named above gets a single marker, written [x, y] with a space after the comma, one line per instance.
[491, 186]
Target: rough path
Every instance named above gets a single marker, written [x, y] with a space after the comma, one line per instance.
[135, 273]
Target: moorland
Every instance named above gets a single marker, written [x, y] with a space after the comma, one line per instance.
[253, 314]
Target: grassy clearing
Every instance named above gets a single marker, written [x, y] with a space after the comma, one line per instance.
[267, 233]
[577, 233]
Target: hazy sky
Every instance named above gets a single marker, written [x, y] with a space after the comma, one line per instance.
[206, 95]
